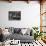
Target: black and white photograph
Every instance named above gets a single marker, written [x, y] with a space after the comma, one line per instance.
[14, 15]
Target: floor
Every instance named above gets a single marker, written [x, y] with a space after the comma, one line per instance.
[35, 43]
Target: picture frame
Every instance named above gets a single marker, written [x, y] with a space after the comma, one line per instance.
[14, 15]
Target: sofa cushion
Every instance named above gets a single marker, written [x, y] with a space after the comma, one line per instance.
[23, 31]
[17, 30]
[11, 30]
[22, 38]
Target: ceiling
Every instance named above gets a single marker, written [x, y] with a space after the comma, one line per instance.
[20, 0]
[24, 0]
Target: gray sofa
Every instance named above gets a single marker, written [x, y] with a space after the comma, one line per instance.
[17, 35]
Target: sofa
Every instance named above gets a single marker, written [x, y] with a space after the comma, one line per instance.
[22, 34]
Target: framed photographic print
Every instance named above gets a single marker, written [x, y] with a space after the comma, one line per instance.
[14, 15]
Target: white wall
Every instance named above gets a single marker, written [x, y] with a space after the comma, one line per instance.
[30, 14]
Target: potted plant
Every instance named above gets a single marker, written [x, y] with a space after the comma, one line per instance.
[37, 33]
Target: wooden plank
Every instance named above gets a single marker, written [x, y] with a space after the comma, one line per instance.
[40, 18]
[10, 1]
